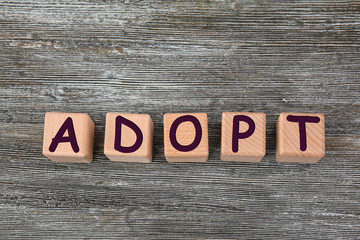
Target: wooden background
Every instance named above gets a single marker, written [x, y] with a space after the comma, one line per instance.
[99, 56]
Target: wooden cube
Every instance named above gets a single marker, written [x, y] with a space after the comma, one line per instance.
[129, 137]
[300, 137]
[186, 137]
[68, 137]
[243, 136]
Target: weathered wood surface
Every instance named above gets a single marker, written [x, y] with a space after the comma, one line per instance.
[179, 56]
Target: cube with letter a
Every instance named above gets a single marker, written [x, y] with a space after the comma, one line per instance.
[300, 137]
[243, 136]
[186, 137]
[68, 137]
[129, 137]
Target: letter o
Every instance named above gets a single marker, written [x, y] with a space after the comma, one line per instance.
[198, 133]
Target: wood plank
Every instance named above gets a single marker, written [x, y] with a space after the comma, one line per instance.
[155, 57]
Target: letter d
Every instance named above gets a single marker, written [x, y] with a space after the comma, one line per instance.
[139, 136]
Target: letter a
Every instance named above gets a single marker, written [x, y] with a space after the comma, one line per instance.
[59, 138]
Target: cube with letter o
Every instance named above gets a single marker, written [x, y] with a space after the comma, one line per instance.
[186, 137]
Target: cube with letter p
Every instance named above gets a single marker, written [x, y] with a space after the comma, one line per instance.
[243, 136]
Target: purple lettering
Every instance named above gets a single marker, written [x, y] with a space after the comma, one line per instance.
[59, 137]
[198, 133]
[302, 128]
[236, 126]
[139, 136]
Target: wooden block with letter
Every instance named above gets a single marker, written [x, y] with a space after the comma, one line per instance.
[186, 137]
[129, 137]
[300, 137]
[243, 136]
[68, 137]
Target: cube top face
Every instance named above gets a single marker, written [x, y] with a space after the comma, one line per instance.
[300, 137]
[186, 137]
[67, 125]
[128, 137]
[239, 140]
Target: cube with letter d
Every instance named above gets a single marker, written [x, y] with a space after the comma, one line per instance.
[129, 137]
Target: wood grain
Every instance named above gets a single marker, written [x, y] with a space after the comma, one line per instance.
[155, 57]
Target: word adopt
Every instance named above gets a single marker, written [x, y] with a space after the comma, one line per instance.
[69, 137]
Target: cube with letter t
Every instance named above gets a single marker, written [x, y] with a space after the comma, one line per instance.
[300, 137]
[68, 137]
